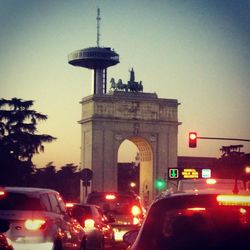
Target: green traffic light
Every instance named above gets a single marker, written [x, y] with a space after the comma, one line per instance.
[160, 184]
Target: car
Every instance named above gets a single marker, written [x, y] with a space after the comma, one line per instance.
[211, 184]
[99, 234]
[4, 241]
[39, 220]
[125, 209]
[195, 220]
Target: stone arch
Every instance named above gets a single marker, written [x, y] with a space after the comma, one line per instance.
[148, 121]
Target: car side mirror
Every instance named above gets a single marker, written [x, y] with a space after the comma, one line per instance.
[4, 226]
[130, 236]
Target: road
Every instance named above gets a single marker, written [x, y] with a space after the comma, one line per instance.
[118, 246]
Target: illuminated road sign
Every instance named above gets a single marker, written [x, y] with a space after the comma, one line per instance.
[189, 173]
[173, 173]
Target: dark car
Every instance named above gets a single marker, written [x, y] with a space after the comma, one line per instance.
[4, 242]
[195, 220]
[124, 209]
[99, 234]
[38, 220]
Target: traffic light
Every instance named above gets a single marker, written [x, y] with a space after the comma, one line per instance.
[192, 139]
[160, 184]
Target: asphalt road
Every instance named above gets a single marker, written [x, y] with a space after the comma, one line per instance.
[118, 246]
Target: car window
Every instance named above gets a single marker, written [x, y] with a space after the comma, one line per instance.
[121, 204]
[200, 184]
[54, 204]
[83, 212]
[61, 203]
[100, 214]
[17, 201]
[46, 202]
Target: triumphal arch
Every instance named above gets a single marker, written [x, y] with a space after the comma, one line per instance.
[124, 113]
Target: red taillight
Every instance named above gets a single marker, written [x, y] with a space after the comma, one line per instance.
[211, 181]
[196, 209]
[110, 197]
[2, 193]
[135, 210]
[69, 205]
[34, 224]
[89, 224]
[233, 200]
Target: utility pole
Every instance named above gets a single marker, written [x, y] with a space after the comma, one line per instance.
[193, 137]
[221, 138]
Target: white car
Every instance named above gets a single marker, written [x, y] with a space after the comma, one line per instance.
[38, 220]
[211, 184]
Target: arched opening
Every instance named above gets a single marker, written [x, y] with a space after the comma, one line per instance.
[128, 167]
[135, 153]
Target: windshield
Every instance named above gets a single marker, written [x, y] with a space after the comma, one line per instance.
[81, 212]
[121, 204]
[220, 184]
[15, 201]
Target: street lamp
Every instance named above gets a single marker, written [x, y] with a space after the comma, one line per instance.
[247, 169]
[132, 184]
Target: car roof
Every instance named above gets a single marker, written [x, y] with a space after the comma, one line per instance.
[205, 179]
[97, 193]
[28, 190]
[85, 205]
[202, 192]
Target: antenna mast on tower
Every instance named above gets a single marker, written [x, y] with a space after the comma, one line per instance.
[96, 58]
[98, 18]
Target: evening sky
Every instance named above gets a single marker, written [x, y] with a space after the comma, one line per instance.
[197, 52]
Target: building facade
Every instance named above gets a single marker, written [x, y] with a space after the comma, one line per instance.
[151, 123]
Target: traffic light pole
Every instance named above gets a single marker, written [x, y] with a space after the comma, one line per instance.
[221, 138]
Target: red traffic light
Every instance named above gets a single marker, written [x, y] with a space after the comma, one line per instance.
[192, 139]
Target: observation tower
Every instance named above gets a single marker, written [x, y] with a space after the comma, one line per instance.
[96, 58]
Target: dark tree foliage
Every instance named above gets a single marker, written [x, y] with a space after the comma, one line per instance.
[66, 180]
[232, 163]
[19, 140]
[44, 177]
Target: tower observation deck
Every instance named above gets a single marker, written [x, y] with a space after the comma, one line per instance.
[98, 59]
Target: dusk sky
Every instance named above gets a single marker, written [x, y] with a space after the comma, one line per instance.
[197, 52]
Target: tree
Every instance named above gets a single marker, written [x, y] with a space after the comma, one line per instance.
[68, 179]
[232, 162]
[45, 177]
[19, 140]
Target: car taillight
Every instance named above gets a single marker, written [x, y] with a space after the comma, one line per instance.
[196, 209]
[136, 221]
[2, 193]
[211, 181]
[34, 224]
[89, 224]
[69, 205]
[233, 200]
[192, 210]
[110, 197]
[135, 210]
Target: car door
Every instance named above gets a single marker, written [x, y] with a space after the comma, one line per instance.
[69, 231]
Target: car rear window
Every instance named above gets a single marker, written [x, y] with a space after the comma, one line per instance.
[83, 212]
[16, 201]
[200, 184]
[121, 204]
